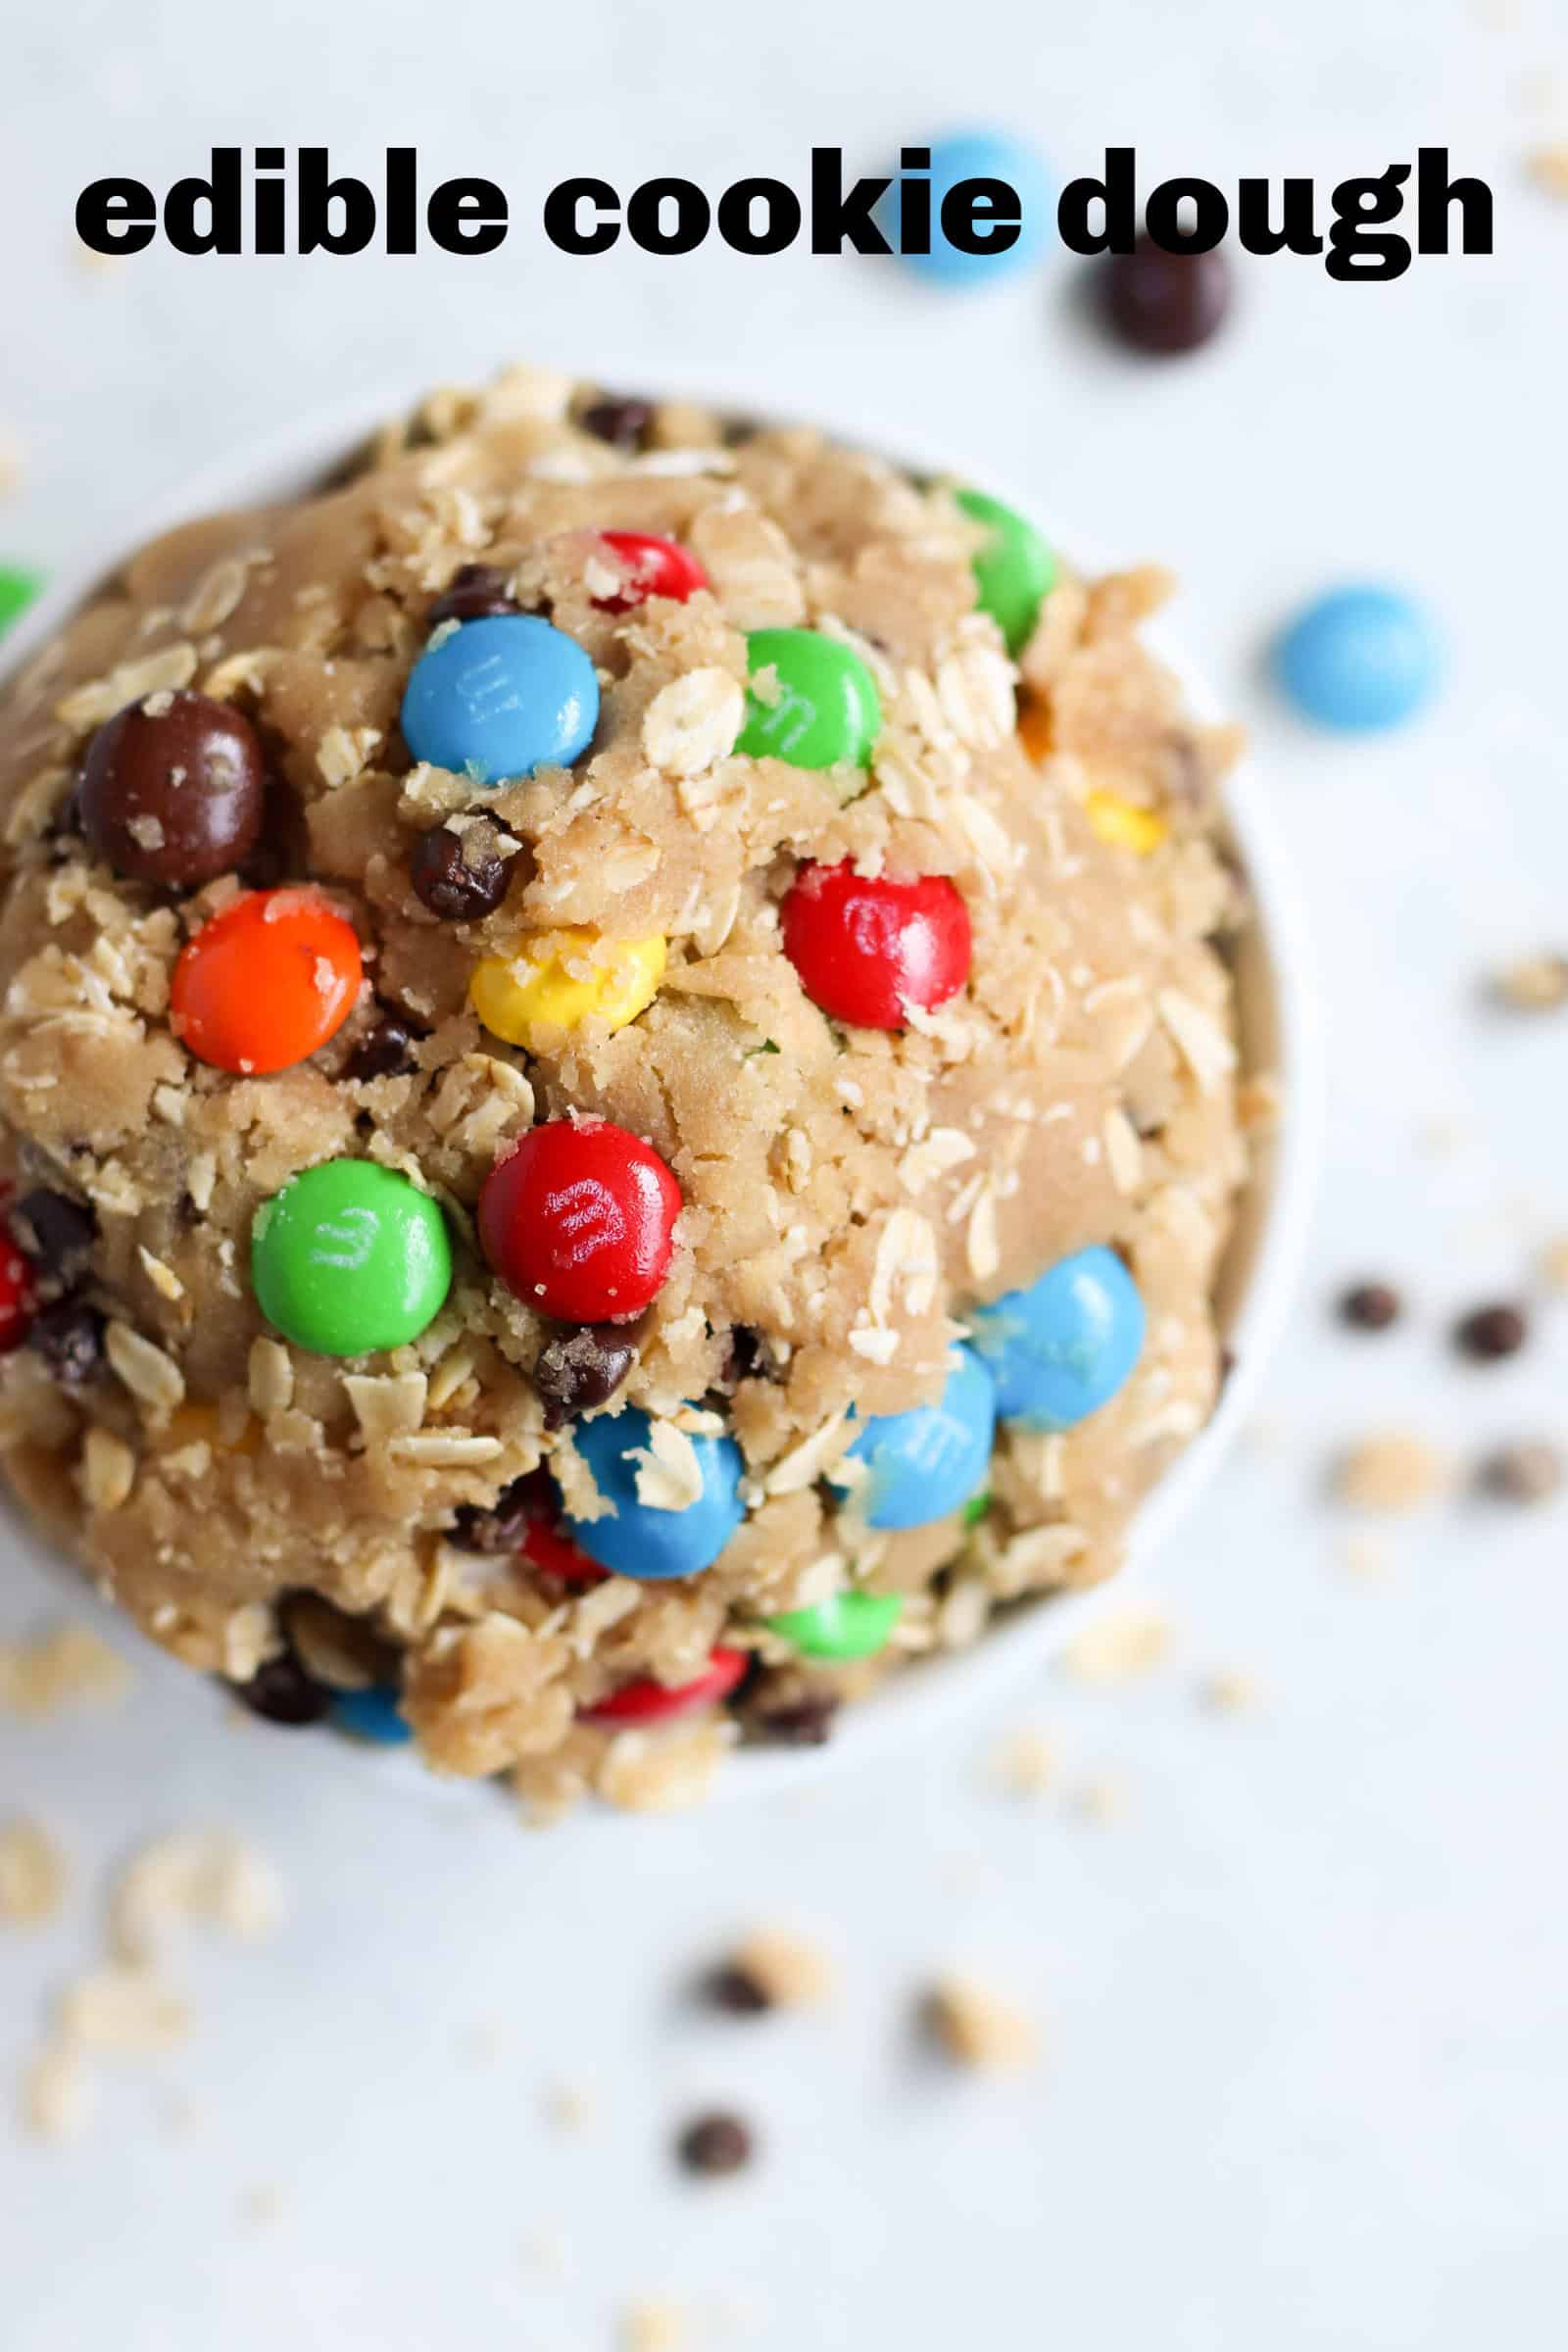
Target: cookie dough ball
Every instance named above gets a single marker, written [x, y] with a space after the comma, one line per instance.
[620, 1082]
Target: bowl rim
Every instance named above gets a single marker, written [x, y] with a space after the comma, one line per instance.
[300, 455]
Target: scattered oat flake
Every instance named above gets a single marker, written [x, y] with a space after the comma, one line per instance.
[123, 2009]
[32, 1874]
[1534, 984]
[1554, 1263]
[1548, 167]
[979, 2029]
[205, 1876]
[1103, 1802]
[652, 2325]
[787, 1971]
[1025, 1764]
[1228, 1691]
[1118, 1648]
[1391, 1471]
[53, 1670]
[55, 2094]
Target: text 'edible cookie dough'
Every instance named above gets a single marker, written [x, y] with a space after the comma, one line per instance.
[619, 1085]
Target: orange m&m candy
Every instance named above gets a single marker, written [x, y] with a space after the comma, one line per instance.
[266, 982]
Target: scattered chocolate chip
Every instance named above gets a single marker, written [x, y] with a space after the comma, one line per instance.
[622, 421]
[1164, 303]
[173, 790]
[386, 1051]
[56, 1232]
[748, 1356]
[806, 1721]
[476, 592]
[459, 876]
[581, 1368]
[736, 1990]
[1489, 1333]
[69, 1337]
[714, 2144]
[1370, 1307]
[281, 1691]
[1531, 1471]
[501, 1528]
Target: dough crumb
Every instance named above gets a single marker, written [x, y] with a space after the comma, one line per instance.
[1118, 1647]
[1391, 1471]
[652, 2325]
[32, 1874]
[1228, 1691]
[1534, 984]
[978, 2030]
[64, 1667]
[1026, 1764]
[771, 1969]
[55, 2094]
[1548, 167]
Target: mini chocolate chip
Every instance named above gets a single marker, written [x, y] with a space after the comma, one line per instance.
[748, 1356]
[56, 1232]
[622, 421]
[1165, 303]
[69, 1337]
[173, 790]
[807, 1722]
[1531, 1471]
[476, 592]
[736, 1992]
[714, 2144]
[581, 1368]
[501, 1528]
[458, 876]
[1489, 1333]
[1370, 1307]
[386, 1051]
[281, 1691]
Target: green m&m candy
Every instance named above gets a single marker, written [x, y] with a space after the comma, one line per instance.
[821, 705]
[848, 1625]
[18, 589]
[1014, 570]
[349, 1257]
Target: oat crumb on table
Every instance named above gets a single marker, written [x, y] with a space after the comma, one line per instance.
[652, 2325]
[978, 2029]
[1548, 167]
[1554, 1263]
[1119, 1647]
[1229, 1690]
[1394, 1470]
[1025, 1764]
[509, 1176]
[66, 1666]
[771, 1968]
[33, 1876]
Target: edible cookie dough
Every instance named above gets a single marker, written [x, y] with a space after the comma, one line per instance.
[619, 1085]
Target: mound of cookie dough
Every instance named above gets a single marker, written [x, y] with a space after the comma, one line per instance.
[619, 1082]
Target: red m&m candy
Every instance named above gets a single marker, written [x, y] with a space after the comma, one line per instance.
[866, 948]
[652, 566]
[266, 982]
[579, 1221]
[648, 1701]
[16, 1295]
[544, 1543]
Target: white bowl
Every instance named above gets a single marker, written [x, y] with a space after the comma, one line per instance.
[1279, 1033]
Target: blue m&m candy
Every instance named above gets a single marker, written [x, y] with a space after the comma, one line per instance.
[498, 698]
[371, 1715]
[640, 1540]
[1061, 1349]
[927, 1462]
[975, 155]
[1360, 659]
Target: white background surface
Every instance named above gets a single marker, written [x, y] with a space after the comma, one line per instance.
[1307, 2040]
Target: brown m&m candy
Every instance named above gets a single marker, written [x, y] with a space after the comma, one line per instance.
[173, 790]
[1165, 303]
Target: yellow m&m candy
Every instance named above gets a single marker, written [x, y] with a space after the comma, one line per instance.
[1123, 823]
[564, 978]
